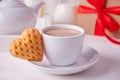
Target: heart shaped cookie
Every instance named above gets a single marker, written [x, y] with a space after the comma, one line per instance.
[29, 46]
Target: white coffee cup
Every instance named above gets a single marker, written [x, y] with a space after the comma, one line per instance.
[63, 50]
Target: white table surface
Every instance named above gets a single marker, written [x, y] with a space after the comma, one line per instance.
[107, 68]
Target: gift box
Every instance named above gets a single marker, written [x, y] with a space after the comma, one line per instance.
[88, 19]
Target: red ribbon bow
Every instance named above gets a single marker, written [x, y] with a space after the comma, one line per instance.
[104, 20]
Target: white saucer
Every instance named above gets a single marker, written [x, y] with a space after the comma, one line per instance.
[88, 58]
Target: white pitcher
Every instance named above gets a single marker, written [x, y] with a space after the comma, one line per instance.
[66, 12]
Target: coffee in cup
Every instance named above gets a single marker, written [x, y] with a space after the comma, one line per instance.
[63, 32]
[63, 43]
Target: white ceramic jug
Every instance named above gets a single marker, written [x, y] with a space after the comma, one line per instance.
[15, 16]
[61, 11]
[65, 14]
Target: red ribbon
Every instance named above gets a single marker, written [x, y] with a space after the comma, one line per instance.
[103, 20]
